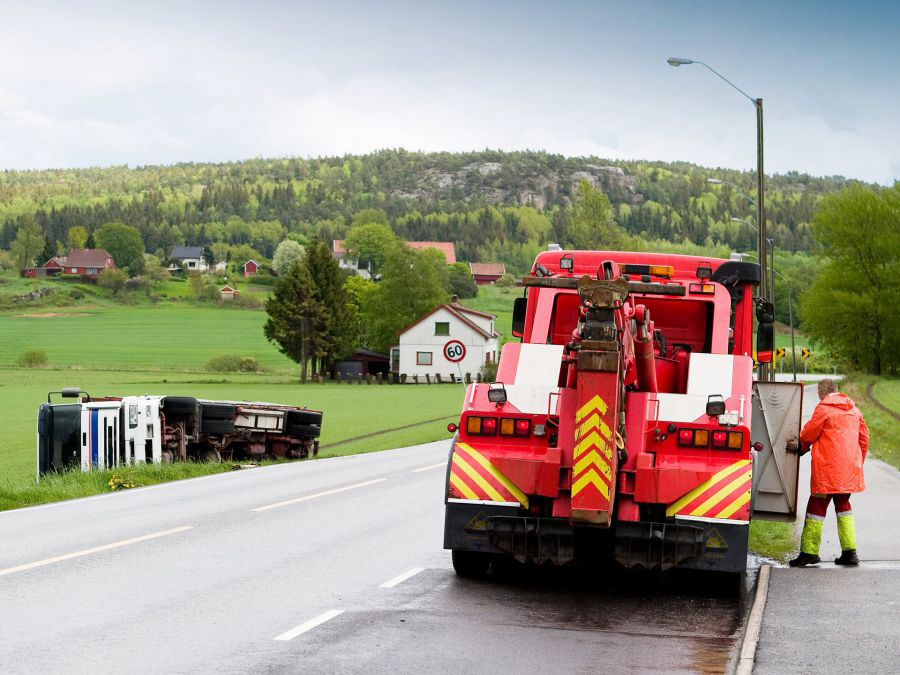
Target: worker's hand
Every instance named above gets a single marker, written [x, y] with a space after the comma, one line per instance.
[792, 446]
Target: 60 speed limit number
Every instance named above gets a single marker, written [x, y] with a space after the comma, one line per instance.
[454, 351]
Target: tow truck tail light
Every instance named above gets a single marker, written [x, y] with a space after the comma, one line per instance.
[703, 289]
[481, 426]
[512, 426]
[721, 439]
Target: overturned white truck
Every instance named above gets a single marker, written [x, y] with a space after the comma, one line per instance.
[102, 433]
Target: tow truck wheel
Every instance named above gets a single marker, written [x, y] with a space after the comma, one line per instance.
[470, 564]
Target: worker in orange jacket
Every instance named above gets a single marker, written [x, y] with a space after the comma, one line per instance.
[839, 439]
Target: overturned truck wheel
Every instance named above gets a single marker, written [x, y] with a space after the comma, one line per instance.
[179, 405]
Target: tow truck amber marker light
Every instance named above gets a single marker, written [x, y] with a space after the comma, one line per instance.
[666, 271]
[473, 425]
[703, 289]
[507, 426]
[701, 437]
[735, 440]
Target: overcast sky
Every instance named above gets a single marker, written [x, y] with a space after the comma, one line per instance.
[112, 83]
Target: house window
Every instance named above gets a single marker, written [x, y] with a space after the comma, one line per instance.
[442, 328]
[74, 270]
[423, 358]
[191, 263]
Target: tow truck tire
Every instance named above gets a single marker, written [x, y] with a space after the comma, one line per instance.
[179, 405]
[218, 411]
[471, 564]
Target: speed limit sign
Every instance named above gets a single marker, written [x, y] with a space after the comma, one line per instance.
[454, 351]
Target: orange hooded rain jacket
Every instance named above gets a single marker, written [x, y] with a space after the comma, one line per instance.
[840, 439]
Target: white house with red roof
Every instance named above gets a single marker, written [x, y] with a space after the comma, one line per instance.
[447, 248]
[421, 345]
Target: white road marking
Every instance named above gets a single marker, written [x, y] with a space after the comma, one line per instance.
[89, 551]
[430, 466]
[319, 494]
[400, 578]
[309, 625]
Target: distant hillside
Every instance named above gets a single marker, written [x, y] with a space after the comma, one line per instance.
[495, 205]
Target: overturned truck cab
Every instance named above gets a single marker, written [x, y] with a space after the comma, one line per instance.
[626, 424]
[102, 433]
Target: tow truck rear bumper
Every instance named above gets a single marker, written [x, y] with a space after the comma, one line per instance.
[505, 530]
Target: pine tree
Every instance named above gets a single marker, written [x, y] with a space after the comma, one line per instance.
[332, 334]
[294, 312]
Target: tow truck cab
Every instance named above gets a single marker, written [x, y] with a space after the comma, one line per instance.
[669, 443]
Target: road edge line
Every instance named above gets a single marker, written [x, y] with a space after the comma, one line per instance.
[747, 657]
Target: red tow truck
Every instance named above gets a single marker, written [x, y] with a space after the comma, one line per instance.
[625, 423]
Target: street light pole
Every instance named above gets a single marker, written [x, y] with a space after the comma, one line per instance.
[764, 370]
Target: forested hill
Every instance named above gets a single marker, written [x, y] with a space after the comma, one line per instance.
[495, 205]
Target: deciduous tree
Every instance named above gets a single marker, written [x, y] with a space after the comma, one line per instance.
[287, 253]
[76, 237]
[369, 244]
[28, 243]
[851, 307]
[124, 244]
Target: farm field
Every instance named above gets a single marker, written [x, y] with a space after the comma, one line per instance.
[350, 410]
[496, 300]
[169, 336]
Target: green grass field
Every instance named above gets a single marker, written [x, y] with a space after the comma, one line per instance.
[350, 410]
[167, 337]
[888, 393]
[496, 300]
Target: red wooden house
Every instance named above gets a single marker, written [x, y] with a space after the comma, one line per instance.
[487, 273]
[87, 262]
[250, 268]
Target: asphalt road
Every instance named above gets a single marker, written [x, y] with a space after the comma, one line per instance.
[332, 565]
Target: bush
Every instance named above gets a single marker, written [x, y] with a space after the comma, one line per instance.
[33, 358]
[233, 363]
[135, 284]
[113, 279]
[489, 372]
[506, 280]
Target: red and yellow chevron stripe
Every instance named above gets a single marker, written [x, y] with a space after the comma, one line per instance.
[592, 457]
[725, 495]
[472, 476]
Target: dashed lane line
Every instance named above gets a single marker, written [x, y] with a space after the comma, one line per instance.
[400, 578]
[309, 625]
[430, 466]
[288, 502]
[89, 551]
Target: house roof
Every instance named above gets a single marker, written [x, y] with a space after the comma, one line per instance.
[448, 248]
[227, 288]
[488, 269]
[468, 310]
[87, 257]
[250, 261]
[460, 313]
[445, 247]
[183, 252]
[57, 260]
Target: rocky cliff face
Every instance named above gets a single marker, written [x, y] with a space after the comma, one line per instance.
[497, 183]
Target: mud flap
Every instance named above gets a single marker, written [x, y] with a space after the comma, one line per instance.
[465, 526]
[657, 545]
[724, 548]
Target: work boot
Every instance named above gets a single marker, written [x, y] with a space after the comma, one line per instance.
[848, 557]
[805, 559]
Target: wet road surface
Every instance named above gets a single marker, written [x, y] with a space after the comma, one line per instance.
[327, 566]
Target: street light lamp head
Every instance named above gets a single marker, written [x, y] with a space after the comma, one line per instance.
[675, 61]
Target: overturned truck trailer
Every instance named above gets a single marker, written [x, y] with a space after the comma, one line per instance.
[102, 433]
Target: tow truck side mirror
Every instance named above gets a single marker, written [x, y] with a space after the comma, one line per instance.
[518, 323]
[765, 342]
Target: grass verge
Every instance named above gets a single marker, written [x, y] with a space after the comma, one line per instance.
[884, 431]
[74, 484]
[771, 539]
